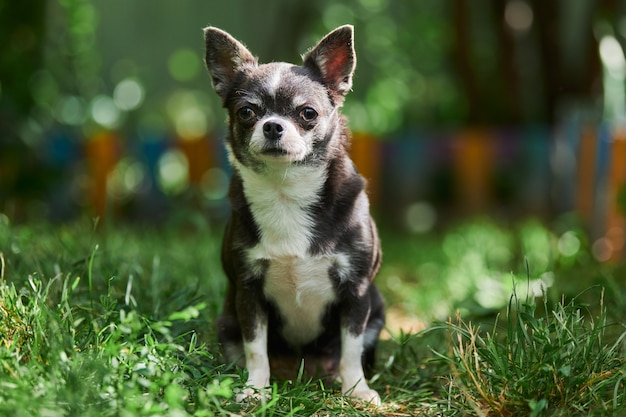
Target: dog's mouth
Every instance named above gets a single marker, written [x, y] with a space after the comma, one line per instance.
[274, 151]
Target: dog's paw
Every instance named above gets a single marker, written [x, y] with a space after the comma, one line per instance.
[251, 394]
[368, 395]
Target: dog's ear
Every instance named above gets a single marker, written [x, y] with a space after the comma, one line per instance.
[225, 58]
[334, 59]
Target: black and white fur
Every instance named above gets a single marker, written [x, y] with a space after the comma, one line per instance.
[300, 249]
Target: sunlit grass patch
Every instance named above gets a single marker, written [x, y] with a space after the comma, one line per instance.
[560, 362]
[15, 329]
[120, 322]
[119, 362]
[473, 267]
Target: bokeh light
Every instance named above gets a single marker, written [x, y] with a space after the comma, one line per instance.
[71, 110]
[420, 217]
[126, 179]
[602, 249]
[491, 293]
[191, 123]
[612, 56]
[568, 244]
[214, 184]
[105, 112]
[128, 94]
[184, 64]
[518, 15]
[173, 172]
[191, 115]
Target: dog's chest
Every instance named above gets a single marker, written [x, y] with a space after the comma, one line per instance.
[302, 290]
[297, 283]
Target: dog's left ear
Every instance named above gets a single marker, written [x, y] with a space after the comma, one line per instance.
[334, 59]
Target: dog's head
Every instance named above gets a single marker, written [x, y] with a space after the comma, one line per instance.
[282, 113]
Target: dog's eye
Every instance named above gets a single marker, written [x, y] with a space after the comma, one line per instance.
[246, 114]
[308, 114]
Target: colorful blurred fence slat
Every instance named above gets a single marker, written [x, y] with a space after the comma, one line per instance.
[616, 183]
[200, 157]
[367, 156]
[149, 151]
[103, 153]
[536, 184]
[404, 173]
[473, 166]
[586, 170]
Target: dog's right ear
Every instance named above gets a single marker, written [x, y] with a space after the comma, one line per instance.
[225, 58]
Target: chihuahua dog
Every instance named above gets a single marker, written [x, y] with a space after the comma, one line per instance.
[300, 249]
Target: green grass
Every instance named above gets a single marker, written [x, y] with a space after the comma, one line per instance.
[559, 363]
[119, 322]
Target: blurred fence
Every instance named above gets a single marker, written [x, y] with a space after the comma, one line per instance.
[416, 179]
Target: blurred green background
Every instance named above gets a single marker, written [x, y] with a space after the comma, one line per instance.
[511, 108]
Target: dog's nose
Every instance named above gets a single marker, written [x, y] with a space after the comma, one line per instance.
[273, 130]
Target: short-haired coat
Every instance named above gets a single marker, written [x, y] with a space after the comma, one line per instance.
[300, 249]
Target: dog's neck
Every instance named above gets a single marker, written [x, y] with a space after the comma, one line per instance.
[279, 198]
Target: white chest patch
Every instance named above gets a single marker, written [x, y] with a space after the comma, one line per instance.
[279, 201]
[296, 282]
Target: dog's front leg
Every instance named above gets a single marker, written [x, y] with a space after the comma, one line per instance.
[254, 331]
[353, 324]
